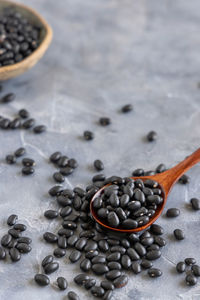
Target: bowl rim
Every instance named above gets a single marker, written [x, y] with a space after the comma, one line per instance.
[41, 48]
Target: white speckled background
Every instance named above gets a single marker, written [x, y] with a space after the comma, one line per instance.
[106, 54]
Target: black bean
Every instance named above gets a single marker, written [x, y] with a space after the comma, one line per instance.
[159, 241]
[14, 254]
[88, 234]
[85, 265]
[91, 254]
[12, 219]
[20, 152]
[91, 245]
[140, 249]
[10, 159]
[66, 171]
[125, 262]
[5, 240]
[127, 108]
[51, 267]
[179, 234]
[161, 168]
[134, 205]
[58, 252]
[180, 267]
[80, 244]
[72, 163]
[133, 254]
[98, 164]
[147, 241]
[75, 256]
[73, 296]
[103, 245]
[13, 243]
[154, 199]
[88, 135]
[173, 212]
[184, 179]
[55, 190]
[8, 98]
[113, 219]
[79, 191]
[157, 191]
[195, 203]
[143, 220]
[89, 283]
[62, 242]
[121, 281]
[153, 254]
[28, 170]
[196, 270]
[190, 261]
[58, 177]
[62, 283]
[100, 269]
[98, 177]
[108, 295]
[107, 285]
[42, 279]
[66, 232]
[98, 259]
[23, 113]
[136, 267]
[65, 211]
[117, 248]
[153, 272]
[103, 213]
[115, 256]
[28, 162]
[16, 123]
[50, 237]
[124, 200]
[129, 224]
[39, 129]
[146, 264]
[114, 265]
[81, 279]
[25, 239]
[28, 123]
[133, 237]
[55, 156]
[190, 279]
[113, 274]
[104, 121]
[152, 136]
[51, 214]
[113, 241]
[14, 233]
[2, 253]
[23, 247]
[156, 229]
[97, 291]
[63, 161]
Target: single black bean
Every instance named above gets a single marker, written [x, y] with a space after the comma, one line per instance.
[113, 274]
[97, 291]
[125, 262]
[62, 242]
[153, 254]
[58, 177]
[190, 279]
[63, 201]
[51, 267]
[153, 272]
[51, 214]
[8, 98]
[103, 245]
[55, 190]
[98, 164]
[75, 256]
[72, 240]
[92, 253]
[100, 269]
[2, 253]
[117, 248]
[190, 261]
[39, 129]
[179, 234]
[161, 168]
[88, 135]
[104, 121]
[25, 239]
[159, 241]
[23, 113]
[58, 252]
[20, 152]
[6, 239]
[91, 245]
[115, 256]
[195, 203]
[65, 211]
[140, 249]
[89, 283]
[114, 265]
[63, 161]
[113, 241]
[73, 296]
[55, 156]
[127, 108]
[12, 219]
[28, 170]
[14, 233]
[10, 159]
[85, 265]
[98, 177]
[146, 264]
[113, 219]
[42, 279]
[80, 244]
[180, 267]
[184, 179]
[133, 237]
[81, 279]
[129, 224]
[108, 295]
[107, 285]
[28, 123]
[152, 136]
[14, 254]
[50, 237]
[173, 212]
[196, 270]
[136, 267]
[62, 283]
[156, 229]
[79, 191]
[150, 183]
[133, 254]
[124, 200]
[23, 247]
[138, 172]
[66, 171]
[47, 260]
[99, 259]
[121, 281]
[147, 241]
[72, 163]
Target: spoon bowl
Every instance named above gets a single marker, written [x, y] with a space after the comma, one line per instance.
[8, 72]
[166, 180]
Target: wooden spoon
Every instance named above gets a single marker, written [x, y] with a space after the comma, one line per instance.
[166, 181]
[16, 69]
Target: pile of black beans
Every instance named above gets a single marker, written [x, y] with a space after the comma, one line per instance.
[18, 37]
[129, 203]
[13, 241]
[191, 268]
[28, 163]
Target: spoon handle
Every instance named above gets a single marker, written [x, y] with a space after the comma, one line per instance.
[169, 177]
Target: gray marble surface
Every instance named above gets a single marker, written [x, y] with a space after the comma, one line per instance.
[105, 54]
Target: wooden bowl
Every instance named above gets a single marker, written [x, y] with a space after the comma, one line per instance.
[7, 72]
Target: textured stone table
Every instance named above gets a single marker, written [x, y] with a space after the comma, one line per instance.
[106, 54]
